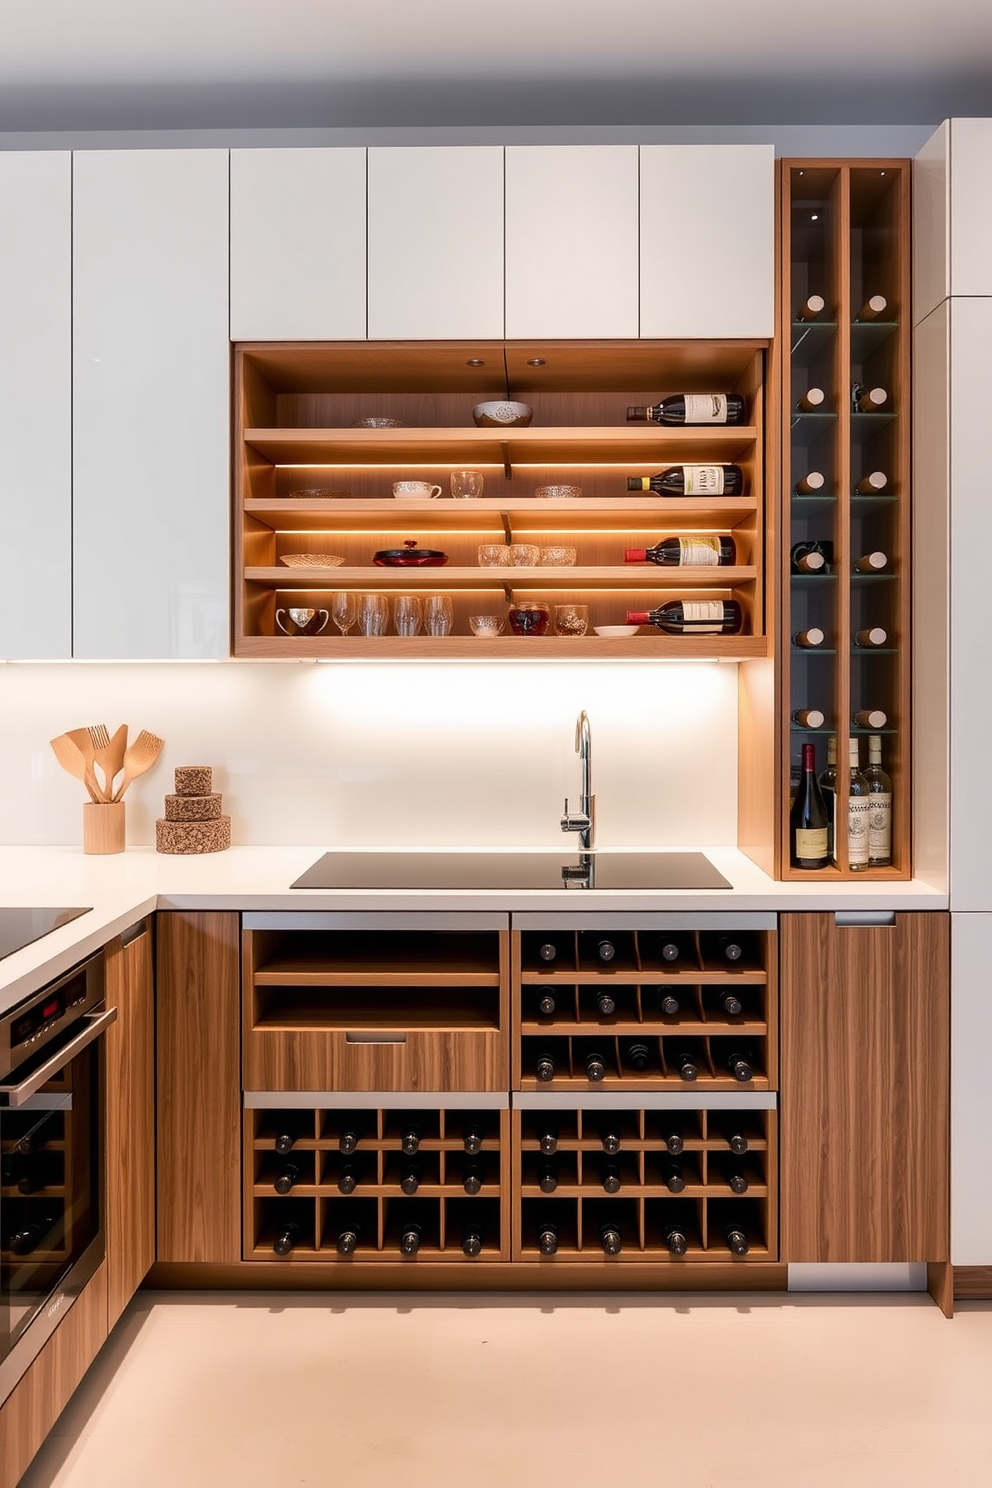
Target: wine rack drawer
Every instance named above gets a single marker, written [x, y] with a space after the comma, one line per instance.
[375, 1008]
[629, 1183]
[355, 1179]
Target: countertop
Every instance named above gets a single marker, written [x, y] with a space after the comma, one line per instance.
[124, 887]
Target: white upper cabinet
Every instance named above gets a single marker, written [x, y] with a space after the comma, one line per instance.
[151, 404]
[435, 243]
[707, 241]
[571, 241]
[298, 245]
[36, 404]
[952, 214]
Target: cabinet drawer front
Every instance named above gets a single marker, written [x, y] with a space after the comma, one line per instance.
[359, 1060]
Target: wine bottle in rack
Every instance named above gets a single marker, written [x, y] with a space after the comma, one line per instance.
[875, 562]
[828, 789]
[547, 1178]
[348, 1238]
[735, 1139]
[595, 1066]
[668, 1003]
[740, 1066]
[35, 1140]
[858, 811]
[871, 484]
[722, 946]
[812, 400]
[610, 1138]
[472, 1177]
[410, 1238]
[691, 480]
[284, 1141]
[671, 951]
[30, 1181]
[811, 557]
[880, 813]
[808, 818]
[871, 637]
[596, 947]
[808, 639]
[691, 408]
[700, 551]
[673, 1140]
[736, 1239]
[609, 1175]
[547, 1238]
[29, 1237]
[545, 1067]
[554, 949]
[811, 308]
[410, 1178]
[637, 1055]
[673, 1177]
[809, 718]
[610, 1239]
[686, 1064]
[873, 308]
[287, 1239]
[547, 1140]
[737, 1181]
[729, 1002]
[473, 1135]
[868, 399]
[546, 1004]
[606, 1004]
[410, 1139]
[287, 1176]
[692, 617]
[871, 718]
[811, 483]
[472, 1240]
[348, 1142]
[675, 1237]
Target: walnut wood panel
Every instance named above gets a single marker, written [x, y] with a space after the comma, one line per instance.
[130, 1120]
[864, 1090]
[940, 1285]
[972, 1283]
[199, 1093]
[314, 1059]
[37, 1401]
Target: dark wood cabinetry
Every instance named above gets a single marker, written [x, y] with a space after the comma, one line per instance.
[130, 973]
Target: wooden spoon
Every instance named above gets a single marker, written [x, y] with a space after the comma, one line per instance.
[109, 753]
[139, 757]
[70, 757]
[81, 738]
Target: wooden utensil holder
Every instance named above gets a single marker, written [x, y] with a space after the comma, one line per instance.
[103, 827]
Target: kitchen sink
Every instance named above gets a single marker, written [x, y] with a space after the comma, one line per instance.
[512, 870]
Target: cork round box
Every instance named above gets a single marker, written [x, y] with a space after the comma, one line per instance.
[192, 808]
[189, 837]
[194, 780]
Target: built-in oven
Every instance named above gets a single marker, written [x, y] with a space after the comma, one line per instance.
[52, 1181]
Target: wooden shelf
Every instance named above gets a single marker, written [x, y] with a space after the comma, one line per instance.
[706, 580]
[298, 514]
[516, 648]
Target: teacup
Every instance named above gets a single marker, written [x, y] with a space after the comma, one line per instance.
[411, 490]
[302, 621]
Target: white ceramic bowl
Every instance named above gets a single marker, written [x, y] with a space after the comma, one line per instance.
[502, 414]
[616, 630]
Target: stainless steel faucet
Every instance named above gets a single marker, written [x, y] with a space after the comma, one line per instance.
[583, 821]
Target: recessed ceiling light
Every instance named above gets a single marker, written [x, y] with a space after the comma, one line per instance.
[814, 216]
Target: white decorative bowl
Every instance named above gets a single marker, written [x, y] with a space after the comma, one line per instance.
[502, 415]
[616, 631]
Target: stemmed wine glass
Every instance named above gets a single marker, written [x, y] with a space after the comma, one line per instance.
[344, 611]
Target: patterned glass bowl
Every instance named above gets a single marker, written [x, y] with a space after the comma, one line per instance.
[486, 625]
[502, 414]
[557, 493]
[311, 560]
[556, 556]
[494, 555]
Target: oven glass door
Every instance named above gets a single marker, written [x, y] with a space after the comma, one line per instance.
[50, 1200]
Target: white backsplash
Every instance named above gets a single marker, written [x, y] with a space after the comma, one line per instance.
[422, 754]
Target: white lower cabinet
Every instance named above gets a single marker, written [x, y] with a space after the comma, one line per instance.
[151, 404]
[971, 1116]
[36, 403]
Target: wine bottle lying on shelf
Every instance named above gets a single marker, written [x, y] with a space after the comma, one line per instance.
[287, 1238]
[813, 556]
[872, 718]
[347, 1241]
[812, 400]
[692, 617]
[595, 1066]
[610, 1178]
[673, 1140]
[700, 551]
[472, 1240]
[875, 562]
[673, 1177]
[610, 1239]
[610, 1139]
[546, 1004]
[872, 635]
[675, 1238]
[740, 1066]
[547, 1140]
[472, 1177]
[637, 1055]
[735, 1238]
[410, 1238]
[871, 484]
[691, 408]
[717, 946]
[410, 1178]
[547, 1238]
[596, 947]
[691, 480]
[873, 308]
[288, 1175]
[606, 1004]
[348, 1142]
[472, 1137]
[868, 399]
[808, 639]
[736, 1181]
[410, 1140]
[811, 308]
[686, 1065]
[547, 1178]
[545, 1067]
[812, 482]
[729, 1002]
[809, 718]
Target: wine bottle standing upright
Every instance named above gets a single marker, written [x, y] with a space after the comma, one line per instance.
[828, 788]
[808, 819]
[880, 809]
[691, 408]
[858, 809]
[691, 480]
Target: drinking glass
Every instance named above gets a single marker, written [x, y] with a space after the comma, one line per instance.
[344, 611]
[571, 619]
[373, 614]
[439, 614]
[408, 613]
[467, 482]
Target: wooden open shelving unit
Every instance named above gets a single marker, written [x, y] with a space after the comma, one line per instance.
[294, 406]
[845, 234]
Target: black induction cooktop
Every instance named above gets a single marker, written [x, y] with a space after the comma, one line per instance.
[509, 870]
[19, 927]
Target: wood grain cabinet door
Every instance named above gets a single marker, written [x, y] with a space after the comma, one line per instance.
[130, 1117]
[864, 1088]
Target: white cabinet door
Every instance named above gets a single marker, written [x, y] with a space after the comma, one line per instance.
[36, 404]
[435, 257]
[952, 214]
[298, 245]
[971, 1130]
[151, 404]
[931, 224]
[707, 241]
[571, 241]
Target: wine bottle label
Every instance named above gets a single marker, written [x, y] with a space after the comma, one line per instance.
[703, 480]
[858, 812]
[703, 616]
[811, 842]
[698, 552]
[705, 408]
[880, 825]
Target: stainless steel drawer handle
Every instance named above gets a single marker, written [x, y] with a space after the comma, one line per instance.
[375, 1038]
[848, 918]
[95, 1025]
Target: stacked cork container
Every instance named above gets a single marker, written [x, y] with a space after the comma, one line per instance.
[193, 822]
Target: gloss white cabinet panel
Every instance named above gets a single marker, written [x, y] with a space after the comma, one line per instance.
[36, 404]
[298, 245]
[435, 243]
[931, 223]
[952, 214]
[151, 404]
[707, 236]
[971, 1129]
[571, 243]
[971, 541]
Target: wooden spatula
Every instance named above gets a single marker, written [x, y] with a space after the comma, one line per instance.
[70, 757]
[81, 738]
[139, 757]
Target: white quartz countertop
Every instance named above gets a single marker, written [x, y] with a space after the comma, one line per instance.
[123, 887]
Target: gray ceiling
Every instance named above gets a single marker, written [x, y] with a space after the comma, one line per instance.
[236, 64]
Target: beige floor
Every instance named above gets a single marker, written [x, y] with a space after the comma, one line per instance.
[264, 1391]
